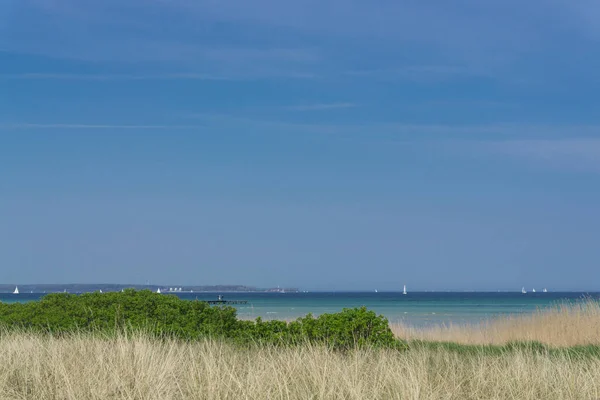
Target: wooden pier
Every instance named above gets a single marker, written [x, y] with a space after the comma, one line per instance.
[213, 302]
[221, 301]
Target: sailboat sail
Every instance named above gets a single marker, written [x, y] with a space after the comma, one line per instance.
[404, 290]
[16, 291]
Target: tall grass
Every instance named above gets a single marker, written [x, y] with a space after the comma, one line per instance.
[566, 324]
[85, 366]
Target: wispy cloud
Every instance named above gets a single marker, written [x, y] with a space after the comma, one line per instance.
[460, 133]
[423, 72]
[296, 55]
[175, 31]
[266, 38]
[113, 77]
[580, 153]
[554, 147]
[320, 106]
[573, 148]
[577, 153]
[582, 16]
[231, 76]
[27, 126]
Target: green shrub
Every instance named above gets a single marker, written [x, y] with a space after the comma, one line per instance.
[353, 327]
[169, 316]
[165, 315]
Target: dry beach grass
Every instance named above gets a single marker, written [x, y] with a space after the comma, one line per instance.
[81, 367]
[84, 366]
[567, 324]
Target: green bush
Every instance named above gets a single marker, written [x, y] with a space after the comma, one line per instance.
[169, 316]
[108, 312]
[353, 327]
[348, 329]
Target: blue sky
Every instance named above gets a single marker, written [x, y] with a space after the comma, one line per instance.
[318, 144]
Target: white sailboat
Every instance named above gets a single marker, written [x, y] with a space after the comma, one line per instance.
[545, 290]
[404, 290]
[375, 290]
[523, 290]
[158, 290]
[533, 290]
[16, 291]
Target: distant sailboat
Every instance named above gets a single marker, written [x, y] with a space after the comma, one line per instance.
[523, 290]
[158, 290]
[16, 291]
[100, 290]
[545, 290]
[404, 290]
[375, 290]
[533, 290]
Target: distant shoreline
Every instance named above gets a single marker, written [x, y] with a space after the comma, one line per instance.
[111, 287]
[89, 288]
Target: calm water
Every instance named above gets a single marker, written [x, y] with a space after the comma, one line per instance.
[418, 308]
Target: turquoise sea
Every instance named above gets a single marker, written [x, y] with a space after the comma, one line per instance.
[415, 308]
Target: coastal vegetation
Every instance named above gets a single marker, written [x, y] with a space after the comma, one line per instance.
[92, 349]
[166, 316]
[565, 324]
[81, 366]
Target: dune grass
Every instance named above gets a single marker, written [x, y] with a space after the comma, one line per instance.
[553, 354]
[84, 366]
[565, 324]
